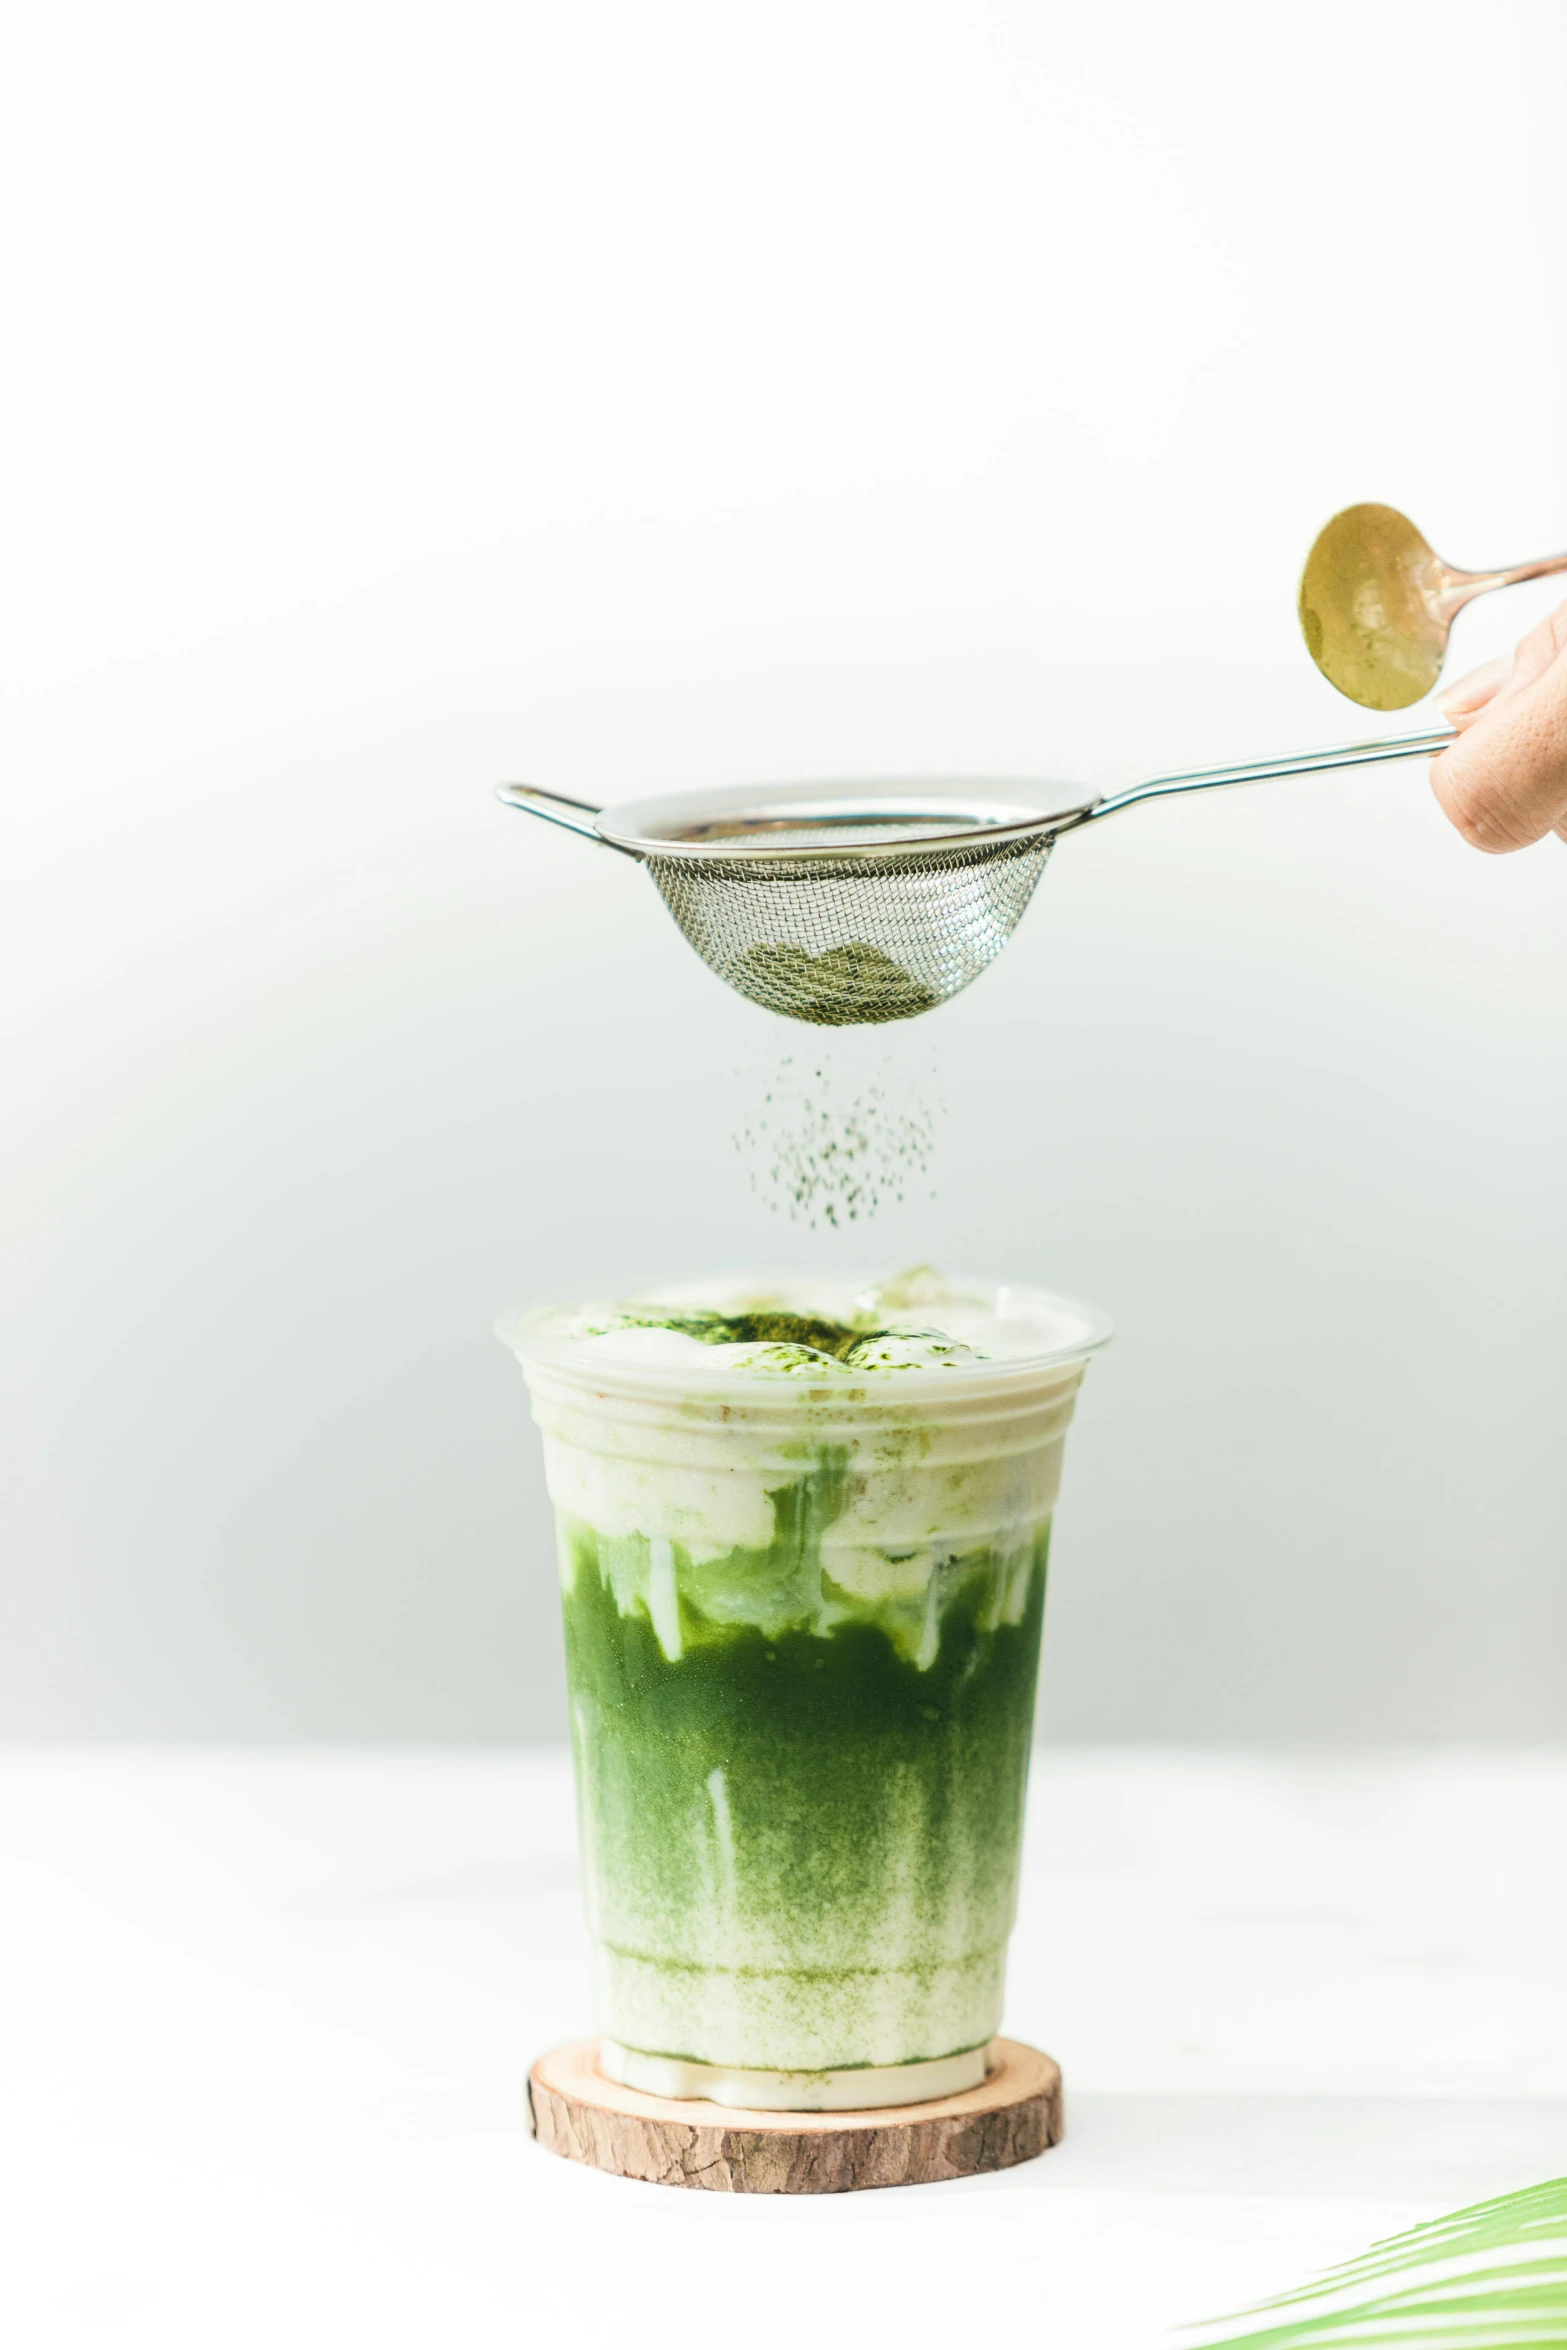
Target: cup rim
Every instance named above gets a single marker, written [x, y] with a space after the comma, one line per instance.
[527, 1331]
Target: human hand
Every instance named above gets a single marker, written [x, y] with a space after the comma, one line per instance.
[1504, 782]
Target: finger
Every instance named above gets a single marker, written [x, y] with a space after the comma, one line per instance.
[1504, 781]
[1463, 702]
[1538, 650]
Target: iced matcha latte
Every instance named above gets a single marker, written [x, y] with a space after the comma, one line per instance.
[802, 1549]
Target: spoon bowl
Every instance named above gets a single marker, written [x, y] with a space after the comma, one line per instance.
[1377, 604]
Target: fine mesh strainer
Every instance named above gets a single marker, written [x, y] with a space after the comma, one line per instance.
[849, 904]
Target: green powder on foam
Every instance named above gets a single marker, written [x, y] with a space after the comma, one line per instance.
[768, 1327]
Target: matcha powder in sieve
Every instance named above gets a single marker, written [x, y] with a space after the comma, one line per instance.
[849, 986]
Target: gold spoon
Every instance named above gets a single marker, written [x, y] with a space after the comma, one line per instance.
[1376, 605]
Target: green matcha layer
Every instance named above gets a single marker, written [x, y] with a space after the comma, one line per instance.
[800, 1817]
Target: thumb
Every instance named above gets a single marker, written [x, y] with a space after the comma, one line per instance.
[1504, 781]
[1462, 703]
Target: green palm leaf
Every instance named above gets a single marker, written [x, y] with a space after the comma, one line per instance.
[1462, 2297]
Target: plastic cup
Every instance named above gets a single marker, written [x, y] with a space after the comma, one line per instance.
[803, 1618]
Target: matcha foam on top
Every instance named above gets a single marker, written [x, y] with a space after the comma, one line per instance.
[915, 1323]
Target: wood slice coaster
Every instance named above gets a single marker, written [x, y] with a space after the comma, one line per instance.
[687, 2142]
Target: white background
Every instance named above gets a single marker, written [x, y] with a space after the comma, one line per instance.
[628, 396]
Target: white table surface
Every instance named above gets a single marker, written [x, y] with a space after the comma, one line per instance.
[266, 2019]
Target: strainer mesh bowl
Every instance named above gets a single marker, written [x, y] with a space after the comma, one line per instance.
[848, 941]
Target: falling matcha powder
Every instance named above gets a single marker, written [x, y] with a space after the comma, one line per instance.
[826, 1150]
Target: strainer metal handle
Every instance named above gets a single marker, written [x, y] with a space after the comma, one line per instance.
[1371, 754]
[557, 807]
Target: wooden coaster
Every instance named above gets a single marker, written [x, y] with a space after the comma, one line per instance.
[686, 2142]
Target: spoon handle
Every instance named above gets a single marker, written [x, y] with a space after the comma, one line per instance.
[1461, 587]
[1159, 787]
